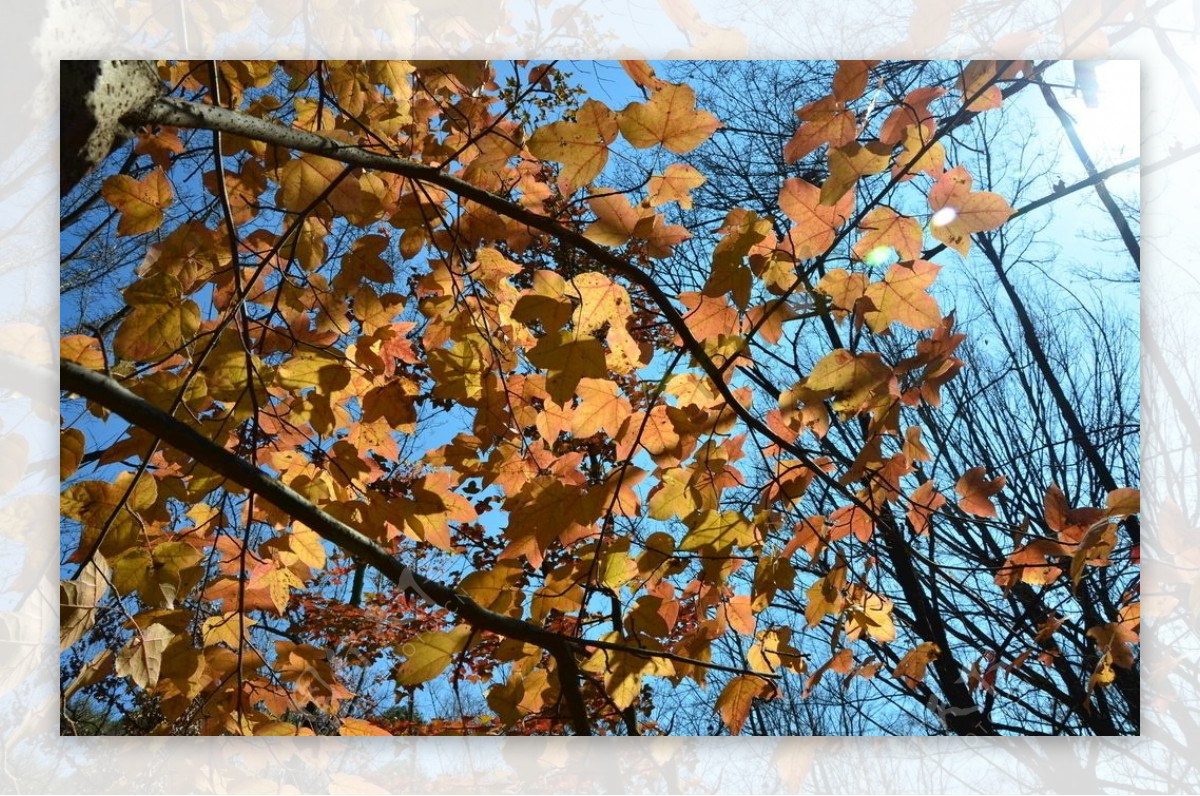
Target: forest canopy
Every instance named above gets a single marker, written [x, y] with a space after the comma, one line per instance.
[773, 398]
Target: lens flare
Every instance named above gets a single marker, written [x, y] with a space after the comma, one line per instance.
[943, 217]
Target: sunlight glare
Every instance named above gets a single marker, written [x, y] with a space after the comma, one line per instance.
[1111, 130]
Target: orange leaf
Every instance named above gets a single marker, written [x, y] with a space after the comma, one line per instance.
[848, 163]
[601, 407]
[737, 698]
[675, 184]
[911, 669]
[140, 202]
[902, 298]
[359, 727]
[925, 500]
[960, 212]
[884, 228]
[851, 79]
[815, 223]
[825, 121]
[976, 491]
[642, 73]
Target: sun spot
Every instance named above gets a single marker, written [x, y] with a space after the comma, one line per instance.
[943, 217]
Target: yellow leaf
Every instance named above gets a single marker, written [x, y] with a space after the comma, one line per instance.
[303, 179]
[141, 659]
[716, 532]
[307, 545]
[601, 407]
[70, 452]
[160, 320]
[360, 727]
[307, 368]
[911, 669]
[78, 599]
[224, 629]
[567, 357]
[884, 228]
[580, 146]
[848, 163]
[737, 698]
[427, 655]
[902, 297]
[616, 218]
[857, 381]
[1123, 502]
[675, 184]
[670, 118]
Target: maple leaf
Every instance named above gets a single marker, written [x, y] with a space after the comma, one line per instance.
[428, 654]
[884, 228]
[815, 223]
[858, 381]
[976, 491]
[959, 212]
[737, 698]
[911, 668]
[670, 118]
[160, 320]
[850, 162]
[601, 407]
[825, 121]
[675, 184]
[581, 146]
[925, 500]
[78, 600]
[902, 297]
[142, 658]
[302, 180]
[568, 357]
[140, 202]
[850, 79]
[358, 728]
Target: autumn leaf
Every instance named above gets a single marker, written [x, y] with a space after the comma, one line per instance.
[670, 118]
[737, 698]
[160, 320]
[140, 202]
[825, 121]
[883, 228]
[902, 297]
[925, 500]
[815, 223]
[568, 357]
[848, 163]
[976, 492]
[428, 654]
[959, 212]
[911, 668]
[360, 728]
[675, 184]
[142, 658]
[601, 407]
[581, 146]
[857, 380]
[78, 600]
[302, 180]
